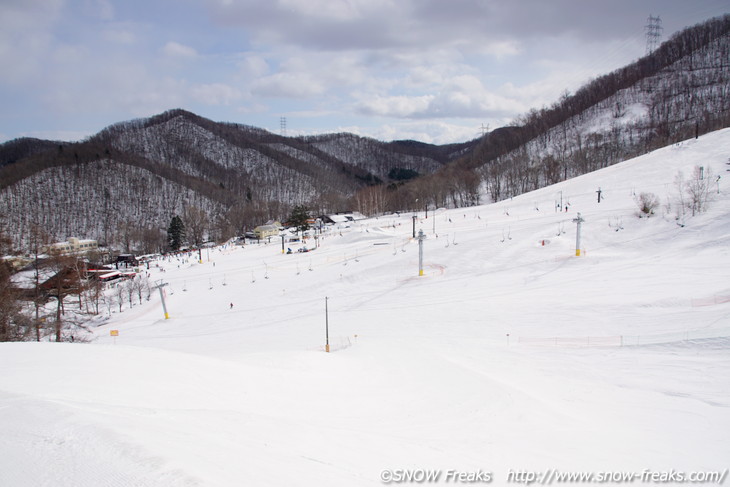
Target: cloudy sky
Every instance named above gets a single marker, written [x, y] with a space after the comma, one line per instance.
[438, 71]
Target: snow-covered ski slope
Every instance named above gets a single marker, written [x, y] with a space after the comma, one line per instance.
[509, 354]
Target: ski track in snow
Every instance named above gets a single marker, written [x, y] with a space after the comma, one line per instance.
[504, 355]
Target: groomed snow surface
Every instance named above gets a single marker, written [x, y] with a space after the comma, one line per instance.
[509, 354]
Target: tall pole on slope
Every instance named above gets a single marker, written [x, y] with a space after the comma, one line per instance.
[421, 238]
[162, 297]
[578, 222]
[326, 326]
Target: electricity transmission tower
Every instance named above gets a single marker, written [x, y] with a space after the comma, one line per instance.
[653, 33]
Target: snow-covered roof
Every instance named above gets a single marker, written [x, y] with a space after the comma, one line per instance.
[346, 217]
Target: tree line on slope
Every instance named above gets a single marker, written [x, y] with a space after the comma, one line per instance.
[682, 87]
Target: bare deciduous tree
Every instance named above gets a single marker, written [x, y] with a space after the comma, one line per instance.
[62, 283]
[37, 244]
[196, 224]
[694, 193]
[13, 325]
[119, 295]
[698, 189]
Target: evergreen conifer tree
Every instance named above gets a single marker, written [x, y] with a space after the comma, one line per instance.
[176, 233]
[299, 217]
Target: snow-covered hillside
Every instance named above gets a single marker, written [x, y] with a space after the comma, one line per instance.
[676, 92]
[509, 356]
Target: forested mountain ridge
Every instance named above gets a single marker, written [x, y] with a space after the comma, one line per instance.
[123, 185]
[680, 90]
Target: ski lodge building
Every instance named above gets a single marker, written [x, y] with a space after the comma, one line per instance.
[271, 229]
[72, 246]
[350, 216]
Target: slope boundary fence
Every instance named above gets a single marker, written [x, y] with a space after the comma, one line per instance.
[711, 300]
[625, 340]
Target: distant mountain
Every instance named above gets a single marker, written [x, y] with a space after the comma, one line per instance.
[18, 149]
[123, 185]
[135, 176]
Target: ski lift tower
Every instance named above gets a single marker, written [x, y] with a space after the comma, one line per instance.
[421, 238]
[578, 221]
[162, 297]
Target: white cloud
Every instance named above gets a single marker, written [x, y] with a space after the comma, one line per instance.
[120, 36]
[460, 96]
[395, 106]
[471, 105]
[425, 76]
[253, 65]
[150, 96]
[70, 55]
[333, 10]
[430, 132]
[177, 50]
[288, 85]
[502, 49]
[26, 37]
[101, 9]
[302, 75]
[252, 108]
[438, 65]
[215, 94]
